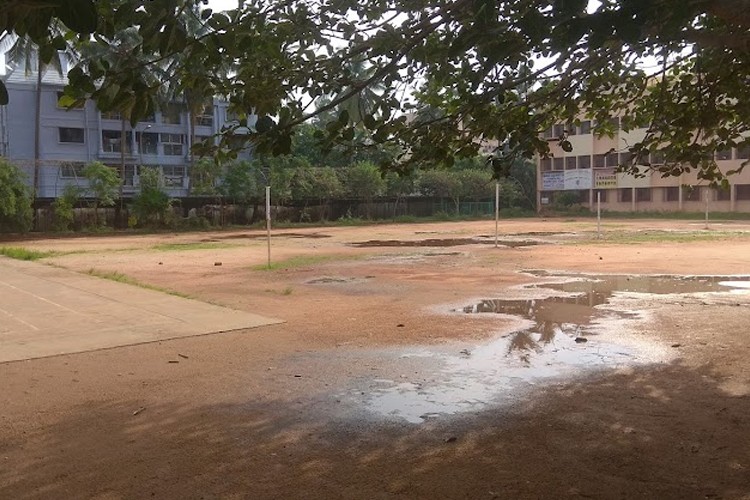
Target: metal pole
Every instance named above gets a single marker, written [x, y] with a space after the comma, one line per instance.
[598, 215]
[707, 190]
[497, 208]
[268, 222]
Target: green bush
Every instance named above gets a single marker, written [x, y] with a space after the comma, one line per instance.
[15, 199]
[63, 214]
[565, 200]
[152, 206]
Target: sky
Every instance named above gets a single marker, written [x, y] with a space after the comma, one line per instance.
[222, 4]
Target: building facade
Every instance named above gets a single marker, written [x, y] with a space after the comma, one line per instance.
[71, 138]
[589, 173]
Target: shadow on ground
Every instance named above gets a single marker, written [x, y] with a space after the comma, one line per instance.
[660, 433]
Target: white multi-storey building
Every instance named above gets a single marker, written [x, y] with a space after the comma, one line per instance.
[71, 138]
[589, 171]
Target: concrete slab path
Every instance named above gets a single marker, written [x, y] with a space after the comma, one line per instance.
[47, 311]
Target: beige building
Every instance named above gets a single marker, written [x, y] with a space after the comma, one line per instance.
[588, 171]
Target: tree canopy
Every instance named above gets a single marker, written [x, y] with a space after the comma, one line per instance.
[442, 75]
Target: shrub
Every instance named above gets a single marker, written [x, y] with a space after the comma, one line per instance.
[62, 209]
[15, 199]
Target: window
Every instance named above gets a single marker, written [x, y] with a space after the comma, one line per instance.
[723, 194]
[692, 193]
[584, 161]
[614, 122]
[77, 105]
[558, 130]
[545, 164]
[626, 158]
[602, 194]
[724, 154]
[71, 170]
[571, 128]
[111, 115]
[172, 144]
[742, 192]
[172, 114]
[559, 163]
[743, 153]
[130, 172]
[570, 163]
[599, 161]
[205, 121]
[547, 134]
[611, 159]
[149, 145]
[643, 194]
[586, 127]
[671, 194]
[71, 135]
[206, 118]
[173, 175]
[657, 158]
[111, 141]
[626, 194]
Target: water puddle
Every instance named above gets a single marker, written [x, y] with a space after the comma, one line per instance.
[570, 330]
[255, 236]
[442, 242]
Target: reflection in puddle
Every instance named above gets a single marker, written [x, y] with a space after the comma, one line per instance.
[559, 336]
[444, 242]
[488, 375]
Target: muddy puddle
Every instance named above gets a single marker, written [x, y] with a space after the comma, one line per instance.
[571, 329]
[256, 236]
[442, 242]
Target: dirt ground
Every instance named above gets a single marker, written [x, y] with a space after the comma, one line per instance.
[274, 412]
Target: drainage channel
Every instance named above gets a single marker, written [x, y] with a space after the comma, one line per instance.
[571, 330]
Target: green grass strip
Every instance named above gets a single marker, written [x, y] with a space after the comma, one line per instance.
[21, 253]
[302, 261]
[124, 278]
[661, 237]
[204, 245]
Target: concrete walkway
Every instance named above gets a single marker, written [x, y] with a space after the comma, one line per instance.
[45, 311]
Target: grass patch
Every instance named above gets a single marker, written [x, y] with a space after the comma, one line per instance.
[627, 238]
[21, 253]
[203, 245]
[124, 278]
[301, 261]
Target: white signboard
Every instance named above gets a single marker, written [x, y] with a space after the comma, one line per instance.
[605, 178]
[553, 181]
[577, 179]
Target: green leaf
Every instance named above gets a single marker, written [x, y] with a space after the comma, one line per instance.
[78, 15]
[370, 122]
[348, 134]
[66, 101]
[264, 124]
